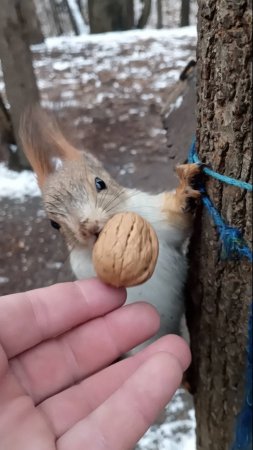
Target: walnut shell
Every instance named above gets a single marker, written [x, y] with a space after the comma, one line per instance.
[126, 251]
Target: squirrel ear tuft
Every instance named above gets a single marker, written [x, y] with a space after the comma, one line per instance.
[43, 142]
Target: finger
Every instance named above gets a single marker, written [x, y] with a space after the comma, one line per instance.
[65, 409]
[59, 363]
[9, 387]
[29, 318]
[125, 416]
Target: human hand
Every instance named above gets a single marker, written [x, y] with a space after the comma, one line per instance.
[57, 387]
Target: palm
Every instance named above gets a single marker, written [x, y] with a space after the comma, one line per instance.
[52, 339]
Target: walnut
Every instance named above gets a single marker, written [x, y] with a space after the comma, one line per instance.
[126, 251]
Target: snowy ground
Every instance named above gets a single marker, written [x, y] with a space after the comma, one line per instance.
[177, 431]
[110, 89]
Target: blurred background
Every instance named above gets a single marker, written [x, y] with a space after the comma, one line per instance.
[119, 75]
[109, 88]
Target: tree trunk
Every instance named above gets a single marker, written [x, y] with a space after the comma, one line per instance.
[7, 140]
[220, 291]
[142, 22]
[159, 8]
[16, 58]
[110, 15]
[57, 21]
[76, 17]
[185, 13]
[31, 25]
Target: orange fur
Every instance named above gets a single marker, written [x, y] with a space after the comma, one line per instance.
[42, 140]
[175, 203]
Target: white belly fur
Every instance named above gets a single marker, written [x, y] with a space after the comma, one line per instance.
[164, 290]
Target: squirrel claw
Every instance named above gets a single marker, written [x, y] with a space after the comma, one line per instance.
[186, 192]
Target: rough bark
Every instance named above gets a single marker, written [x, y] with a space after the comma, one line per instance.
[220, 291]
[31, 24]
[185, 13]
[110, 15]
[16, 59]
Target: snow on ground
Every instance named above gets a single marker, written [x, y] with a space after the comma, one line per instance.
[114, 38]
[177, 432]
[109, 61]
[17, 185]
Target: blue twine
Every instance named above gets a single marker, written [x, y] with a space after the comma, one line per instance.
[233, 245]
[224, 178]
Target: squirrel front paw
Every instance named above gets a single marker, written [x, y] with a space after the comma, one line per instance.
[186, 195]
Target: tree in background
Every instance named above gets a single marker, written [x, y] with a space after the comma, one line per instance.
[76, 17]
[185, 13]
[110, 15]
[31, 24]
[146, 9]
[116, 15]
[7, 139]
[16, 59]
[221, 291]
[159, 9]
[51, 9]
[59, 17]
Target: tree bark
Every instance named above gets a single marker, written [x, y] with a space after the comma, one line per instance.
[31, 24]
[110, 15]
[185, 13]
[19, 78]
[220, 291]
[159, 9]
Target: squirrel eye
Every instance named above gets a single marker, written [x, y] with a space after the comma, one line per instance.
[55, 225]
[100, 184]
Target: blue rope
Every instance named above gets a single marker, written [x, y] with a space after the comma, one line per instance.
[233, 245]
[224, 178]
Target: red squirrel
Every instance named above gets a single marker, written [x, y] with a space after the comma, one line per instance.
[79, 197]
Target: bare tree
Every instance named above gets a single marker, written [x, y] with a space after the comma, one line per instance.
[220, 291]
[142, 22]
[32, 27]
[16, 59]
[7, 139]
[76, 17]
[185, 13]
[57, 21]
[159, 8]
[110, 15]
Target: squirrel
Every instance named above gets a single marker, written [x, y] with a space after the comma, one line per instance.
[80, 196]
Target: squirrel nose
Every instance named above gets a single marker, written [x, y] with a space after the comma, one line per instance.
[94, 229]
[90, 229]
